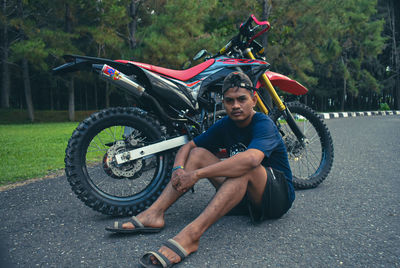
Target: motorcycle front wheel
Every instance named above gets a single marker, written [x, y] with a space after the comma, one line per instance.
[312, 159]
[95, 176]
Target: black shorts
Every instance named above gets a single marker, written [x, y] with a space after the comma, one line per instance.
[275, 200]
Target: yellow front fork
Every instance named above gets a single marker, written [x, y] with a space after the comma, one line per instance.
[270, 88]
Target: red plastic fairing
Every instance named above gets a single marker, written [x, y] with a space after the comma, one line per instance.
[182, 75]
[285, 83]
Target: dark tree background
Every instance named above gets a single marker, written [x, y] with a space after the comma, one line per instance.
[345, 51]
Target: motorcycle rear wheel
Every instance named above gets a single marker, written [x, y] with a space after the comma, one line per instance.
[95, 177]
[312, 161]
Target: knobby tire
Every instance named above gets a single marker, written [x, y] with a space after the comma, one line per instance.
[82, 174]
[312, 163]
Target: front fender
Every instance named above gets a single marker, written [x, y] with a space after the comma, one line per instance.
[285, 83]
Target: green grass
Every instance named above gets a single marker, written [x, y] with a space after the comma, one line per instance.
[32, 150]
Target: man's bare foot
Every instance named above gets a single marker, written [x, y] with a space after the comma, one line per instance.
[186, 240]
[148, 219]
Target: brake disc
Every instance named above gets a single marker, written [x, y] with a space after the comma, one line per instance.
[126, 170]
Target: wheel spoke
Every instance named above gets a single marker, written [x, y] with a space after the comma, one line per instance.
[119, 181]
[304, 161]
[101, 142]
[310, 162]
[109, 132]
[99, 150]
[314, 138]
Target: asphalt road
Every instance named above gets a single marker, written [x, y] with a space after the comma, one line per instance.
[351, 220]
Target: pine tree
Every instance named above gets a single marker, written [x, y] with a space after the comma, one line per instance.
[325, 45]
[5, 87]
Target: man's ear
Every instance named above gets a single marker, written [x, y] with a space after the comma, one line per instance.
[254, 99]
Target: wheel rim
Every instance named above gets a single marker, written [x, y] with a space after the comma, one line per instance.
[125, 182]
[305, 159]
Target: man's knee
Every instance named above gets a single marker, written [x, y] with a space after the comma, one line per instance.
[256, 175]
[199, 153]
[201, 157]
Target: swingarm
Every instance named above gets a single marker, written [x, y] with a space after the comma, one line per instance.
[151, 149]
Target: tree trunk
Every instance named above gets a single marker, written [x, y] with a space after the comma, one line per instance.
[51, 98]
[27, 89]
[343, 97]
[322, 108]
[71, 100]
[5, 88]
[133, 13]
[352, 103]
[370, 100]
[396, 60]
[71, 86]
[266, 11]
[58, 100]
[67, 19]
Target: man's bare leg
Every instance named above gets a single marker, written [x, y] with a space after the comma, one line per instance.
[228, 196]
[154, 215]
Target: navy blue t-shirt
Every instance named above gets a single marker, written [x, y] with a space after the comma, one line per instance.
[261, 134]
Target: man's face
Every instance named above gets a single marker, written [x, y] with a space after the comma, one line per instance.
[239, 104]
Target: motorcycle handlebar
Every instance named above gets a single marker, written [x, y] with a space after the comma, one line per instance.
[261, 23]
[246, 31]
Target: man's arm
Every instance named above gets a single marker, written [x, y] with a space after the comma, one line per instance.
[183, 154]
[234, 166]
[180, 160]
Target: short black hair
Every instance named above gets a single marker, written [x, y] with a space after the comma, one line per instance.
[237, 79]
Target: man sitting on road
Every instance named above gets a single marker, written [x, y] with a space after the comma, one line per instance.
[255, 180]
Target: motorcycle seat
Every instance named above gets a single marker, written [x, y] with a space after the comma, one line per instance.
[182, 75]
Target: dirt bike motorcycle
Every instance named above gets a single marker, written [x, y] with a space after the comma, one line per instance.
[119, 160]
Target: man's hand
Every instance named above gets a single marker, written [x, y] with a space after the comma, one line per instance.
[182, 181]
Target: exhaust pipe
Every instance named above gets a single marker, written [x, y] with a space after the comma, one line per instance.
[121, 80]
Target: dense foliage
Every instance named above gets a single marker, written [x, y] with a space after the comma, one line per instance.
[344, 51]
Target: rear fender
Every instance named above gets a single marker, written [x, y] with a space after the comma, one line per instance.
[84, 63]
[285, 83]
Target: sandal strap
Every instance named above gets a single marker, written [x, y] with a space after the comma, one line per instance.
[117, 225]
[135, 221]
[176, 247]
[161, 258]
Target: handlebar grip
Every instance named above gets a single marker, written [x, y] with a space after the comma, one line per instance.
[259, 22]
